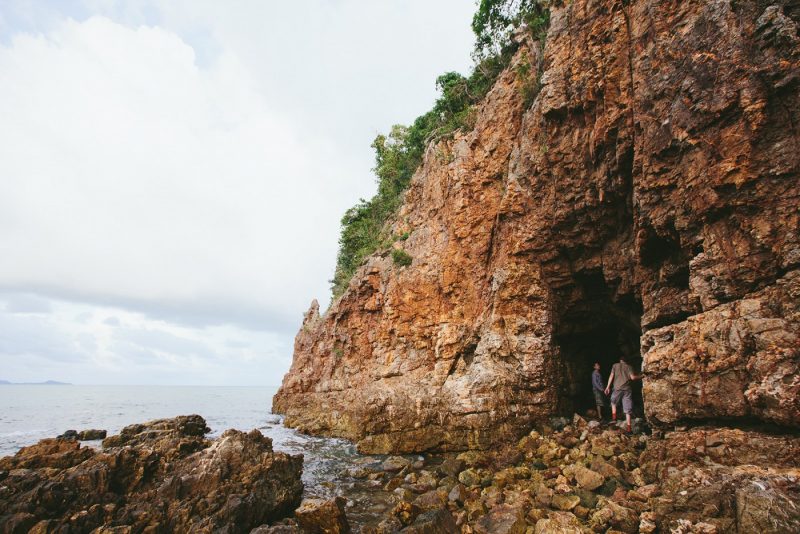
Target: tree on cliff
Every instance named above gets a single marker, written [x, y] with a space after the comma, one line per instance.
[398, 154]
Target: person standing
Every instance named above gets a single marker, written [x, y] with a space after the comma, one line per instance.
[621, 376]
[597, 389]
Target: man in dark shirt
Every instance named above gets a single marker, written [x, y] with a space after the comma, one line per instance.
[597, 389]
[621, 376]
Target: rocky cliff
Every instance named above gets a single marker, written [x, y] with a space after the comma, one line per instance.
[644, 204]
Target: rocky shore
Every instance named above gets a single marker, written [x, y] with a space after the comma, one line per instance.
[566, 476]
[160, 476]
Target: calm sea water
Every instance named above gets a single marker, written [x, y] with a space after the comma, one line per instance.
[30, 413]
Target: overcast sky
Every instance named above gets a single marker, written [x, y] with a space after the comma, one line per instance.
[173, 172]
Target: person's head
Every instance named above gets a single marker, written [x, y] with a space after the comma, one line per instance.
[596, 366]
[623, 359]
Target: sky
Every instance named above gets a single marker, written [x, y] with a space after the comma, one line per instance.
[173, 173]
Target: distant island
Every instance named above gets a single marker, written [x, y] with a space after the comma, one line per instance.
[45, 383]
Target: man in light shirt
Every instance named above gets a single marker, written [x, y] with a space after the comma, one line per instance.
[621, 376]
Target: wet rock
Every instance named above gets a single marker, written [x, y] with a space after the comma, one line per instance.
[317, 516]
[502, 519]
[92, 434]
[69, 434]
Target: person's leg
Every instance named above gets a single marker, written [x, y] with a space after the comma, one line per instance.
[599, 401]
[627, 405]
[614, 401]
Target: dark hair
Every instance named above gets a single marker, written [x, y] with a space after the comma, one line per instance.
[623, 358]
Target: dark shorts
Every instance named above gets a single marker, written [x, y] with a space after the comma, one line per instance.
[599, 398]
[627, 399]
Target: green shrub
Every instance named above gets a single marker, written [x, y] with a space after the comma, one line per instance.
[398, 154]
[401, 257]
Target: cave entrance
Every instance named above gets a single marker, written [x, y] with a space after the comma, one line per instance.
[596, 325]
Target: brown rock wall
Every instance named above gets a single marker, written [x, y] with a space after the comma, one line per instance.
[646, 204]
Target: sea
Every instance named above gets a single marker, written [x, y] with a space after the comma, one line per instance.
[29, 413]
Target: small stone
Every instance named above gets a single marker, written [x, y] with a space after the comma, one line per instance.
[473, 458]
[559, 523]
[451, 467]
[395, 463]
[458, 494]
[406, 512]
[470, 478]
[431, 500]
[433, 522]
[566, 502]
[502, 519]
[588, 479]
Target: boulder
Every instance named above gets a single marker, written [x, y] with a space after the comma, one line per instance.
[318, 516]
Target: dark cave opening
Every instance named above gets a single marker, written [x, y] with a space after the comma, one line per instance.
[596, 326]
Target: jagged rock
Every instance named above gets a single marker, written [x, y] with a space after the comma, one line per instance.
[163, 475]
[451, 467]
[611, 514]
[433, 522]
[92, 434]
[502, 519]
[431, 500]
[406, 512]
[318, 516]
[458, 494]
[395, 463]
[586, 478]
[69, 434]
[566, 502]
[559, 523]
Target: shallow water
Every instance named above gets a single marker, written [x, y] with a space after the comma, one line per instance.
[31, 413]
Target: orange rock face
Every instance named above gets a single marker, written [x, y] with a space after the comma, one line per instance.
[644, 205]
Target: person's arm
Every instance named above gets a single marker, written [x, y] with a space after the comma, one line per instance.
[610, 380]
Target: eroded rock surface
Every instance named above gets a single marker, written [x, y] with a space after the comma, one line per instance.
[645, 204]
[162, 476]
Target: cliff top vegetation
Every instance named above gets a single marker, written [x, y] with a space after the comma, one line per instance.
[399, 153]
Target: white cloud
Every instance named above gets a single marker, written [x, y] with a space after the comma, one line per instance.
[186, 164]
